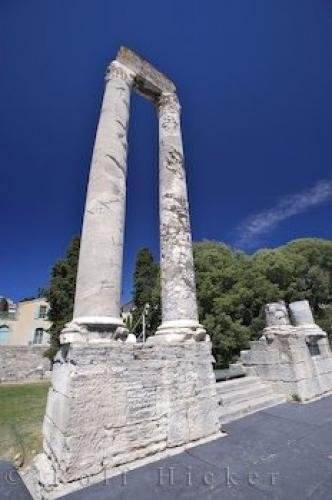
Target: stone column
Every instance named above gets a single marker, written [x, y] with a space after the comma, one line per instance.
[99, 277]
[301, 313]
[178, 289]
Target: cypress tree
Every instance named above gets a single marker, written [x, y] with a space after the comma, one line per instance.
[146, 290]
[61, 293]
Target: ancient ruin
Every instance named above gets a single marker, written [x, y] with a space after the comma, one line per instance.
[293, 352]
[112, 400]
[99, 277]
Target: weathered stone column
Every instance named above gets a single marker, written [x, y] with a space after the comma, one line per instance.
[178, 289]
[98, 287]
[100, 412]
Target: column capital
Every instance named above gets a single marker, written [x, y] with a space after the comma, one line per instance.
[118, 70]
[168, 102]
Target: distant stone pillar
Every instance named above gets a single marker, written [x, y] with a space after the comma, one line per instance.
[178, 289]
[276, 315]
[301, 313]
[98, 287]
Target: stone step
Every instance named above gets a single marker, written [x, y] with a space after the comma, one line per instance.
[248, 393]
[236, 384]
[234, 370]
[239, 410]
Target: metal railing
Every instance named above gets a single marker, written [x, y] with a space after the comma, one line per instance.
[141, 321]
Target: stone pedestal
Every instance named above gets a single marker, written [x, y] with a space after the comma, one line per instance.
[296, 358]
[113, 404]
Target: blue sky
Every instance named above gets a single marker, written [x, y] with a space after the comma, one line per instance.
[255, 84]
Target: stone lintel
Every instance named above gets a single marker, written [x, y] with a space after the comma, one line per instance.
[148, 80]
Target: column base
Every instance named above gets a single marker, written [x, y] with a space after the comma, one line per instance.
[178, 331]
[95, 329]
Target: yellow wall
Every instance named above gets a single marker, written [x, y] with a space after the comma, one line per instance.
[22, 329]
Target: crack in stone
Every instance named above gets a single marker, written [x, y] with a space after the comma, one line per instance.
[102, 206]
[121, 124]
[117, 163]
[106, 285]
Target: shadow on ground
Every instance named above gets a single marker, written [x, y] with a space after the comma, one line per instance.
[283, 453]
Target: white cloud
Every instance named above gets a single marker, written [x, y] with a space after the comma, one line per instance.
[250, 231]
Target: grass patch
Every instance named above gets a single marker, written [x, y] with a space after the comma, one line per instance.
[22, 409]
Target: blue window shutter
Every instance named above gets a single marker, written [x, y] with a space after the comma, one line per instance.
[4, 334]
[32, 337]
[37, 311]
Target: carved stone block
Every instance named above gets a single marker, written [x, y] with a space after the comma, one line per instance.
[276, 314]
[301, 313]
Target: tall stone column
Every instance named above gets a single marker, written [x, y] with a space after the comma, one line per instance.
[94, 372]
[99, 277]
[178, 289]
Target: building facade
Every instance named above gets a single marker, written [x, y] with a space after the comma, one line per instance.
[24, 323]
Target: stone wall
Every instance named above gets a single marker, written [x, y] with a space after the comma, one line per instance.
[23, 363]
[288, 361]
[113, 404]
[293, 352]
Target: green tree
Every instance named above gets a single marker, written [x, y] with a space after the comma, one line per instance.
[232, 288]
[146, 290]
[223, 299]
[61, 293]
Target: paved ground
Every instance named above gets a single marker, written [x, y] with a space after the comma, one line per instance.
[282, 453]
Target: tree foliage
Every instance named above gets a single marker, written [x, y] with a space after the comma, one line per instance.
[61, 293]
[232, 288]
[146, 290]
